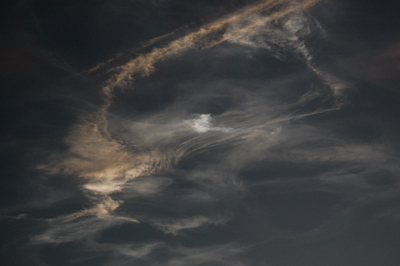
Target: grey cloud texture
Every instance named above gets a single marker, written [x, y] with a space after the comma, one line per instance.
[169, 175]
[188, 223]
[97, 157]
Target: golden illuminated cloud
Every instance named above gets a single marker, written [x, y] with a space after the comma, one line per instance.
[205, 37]
[101, 160]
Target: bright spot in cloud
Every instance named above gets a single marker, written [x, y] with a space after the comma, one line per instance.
[276, 131]
[203, 123]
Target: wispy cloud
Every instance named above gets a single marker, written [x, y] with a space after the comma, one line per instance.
[144, 64]
[120, 159]
[174, 227]
[101, 160]
[203, 124]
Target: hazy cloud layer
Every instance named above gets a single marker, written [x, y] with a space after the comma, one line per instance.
[242, 141]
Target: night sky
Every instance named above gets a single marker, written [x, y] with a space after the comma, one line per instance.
[200, 133]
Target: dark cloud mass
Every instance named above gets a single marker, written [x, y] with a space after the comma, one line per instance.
[176, 133]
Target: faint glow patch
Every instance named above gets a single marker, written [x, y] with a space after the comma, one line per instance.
[174, 227]
[203, 123]
[276, 131]
[140, 252]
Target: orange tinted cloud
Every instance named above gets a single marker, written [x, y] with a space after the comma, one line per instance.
[101, 160]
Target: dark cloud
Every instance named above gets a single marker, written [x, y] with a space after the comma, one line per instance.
[211, 133]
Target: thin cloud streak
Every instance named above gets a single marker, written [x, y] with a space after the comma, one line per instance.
[144, 64]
